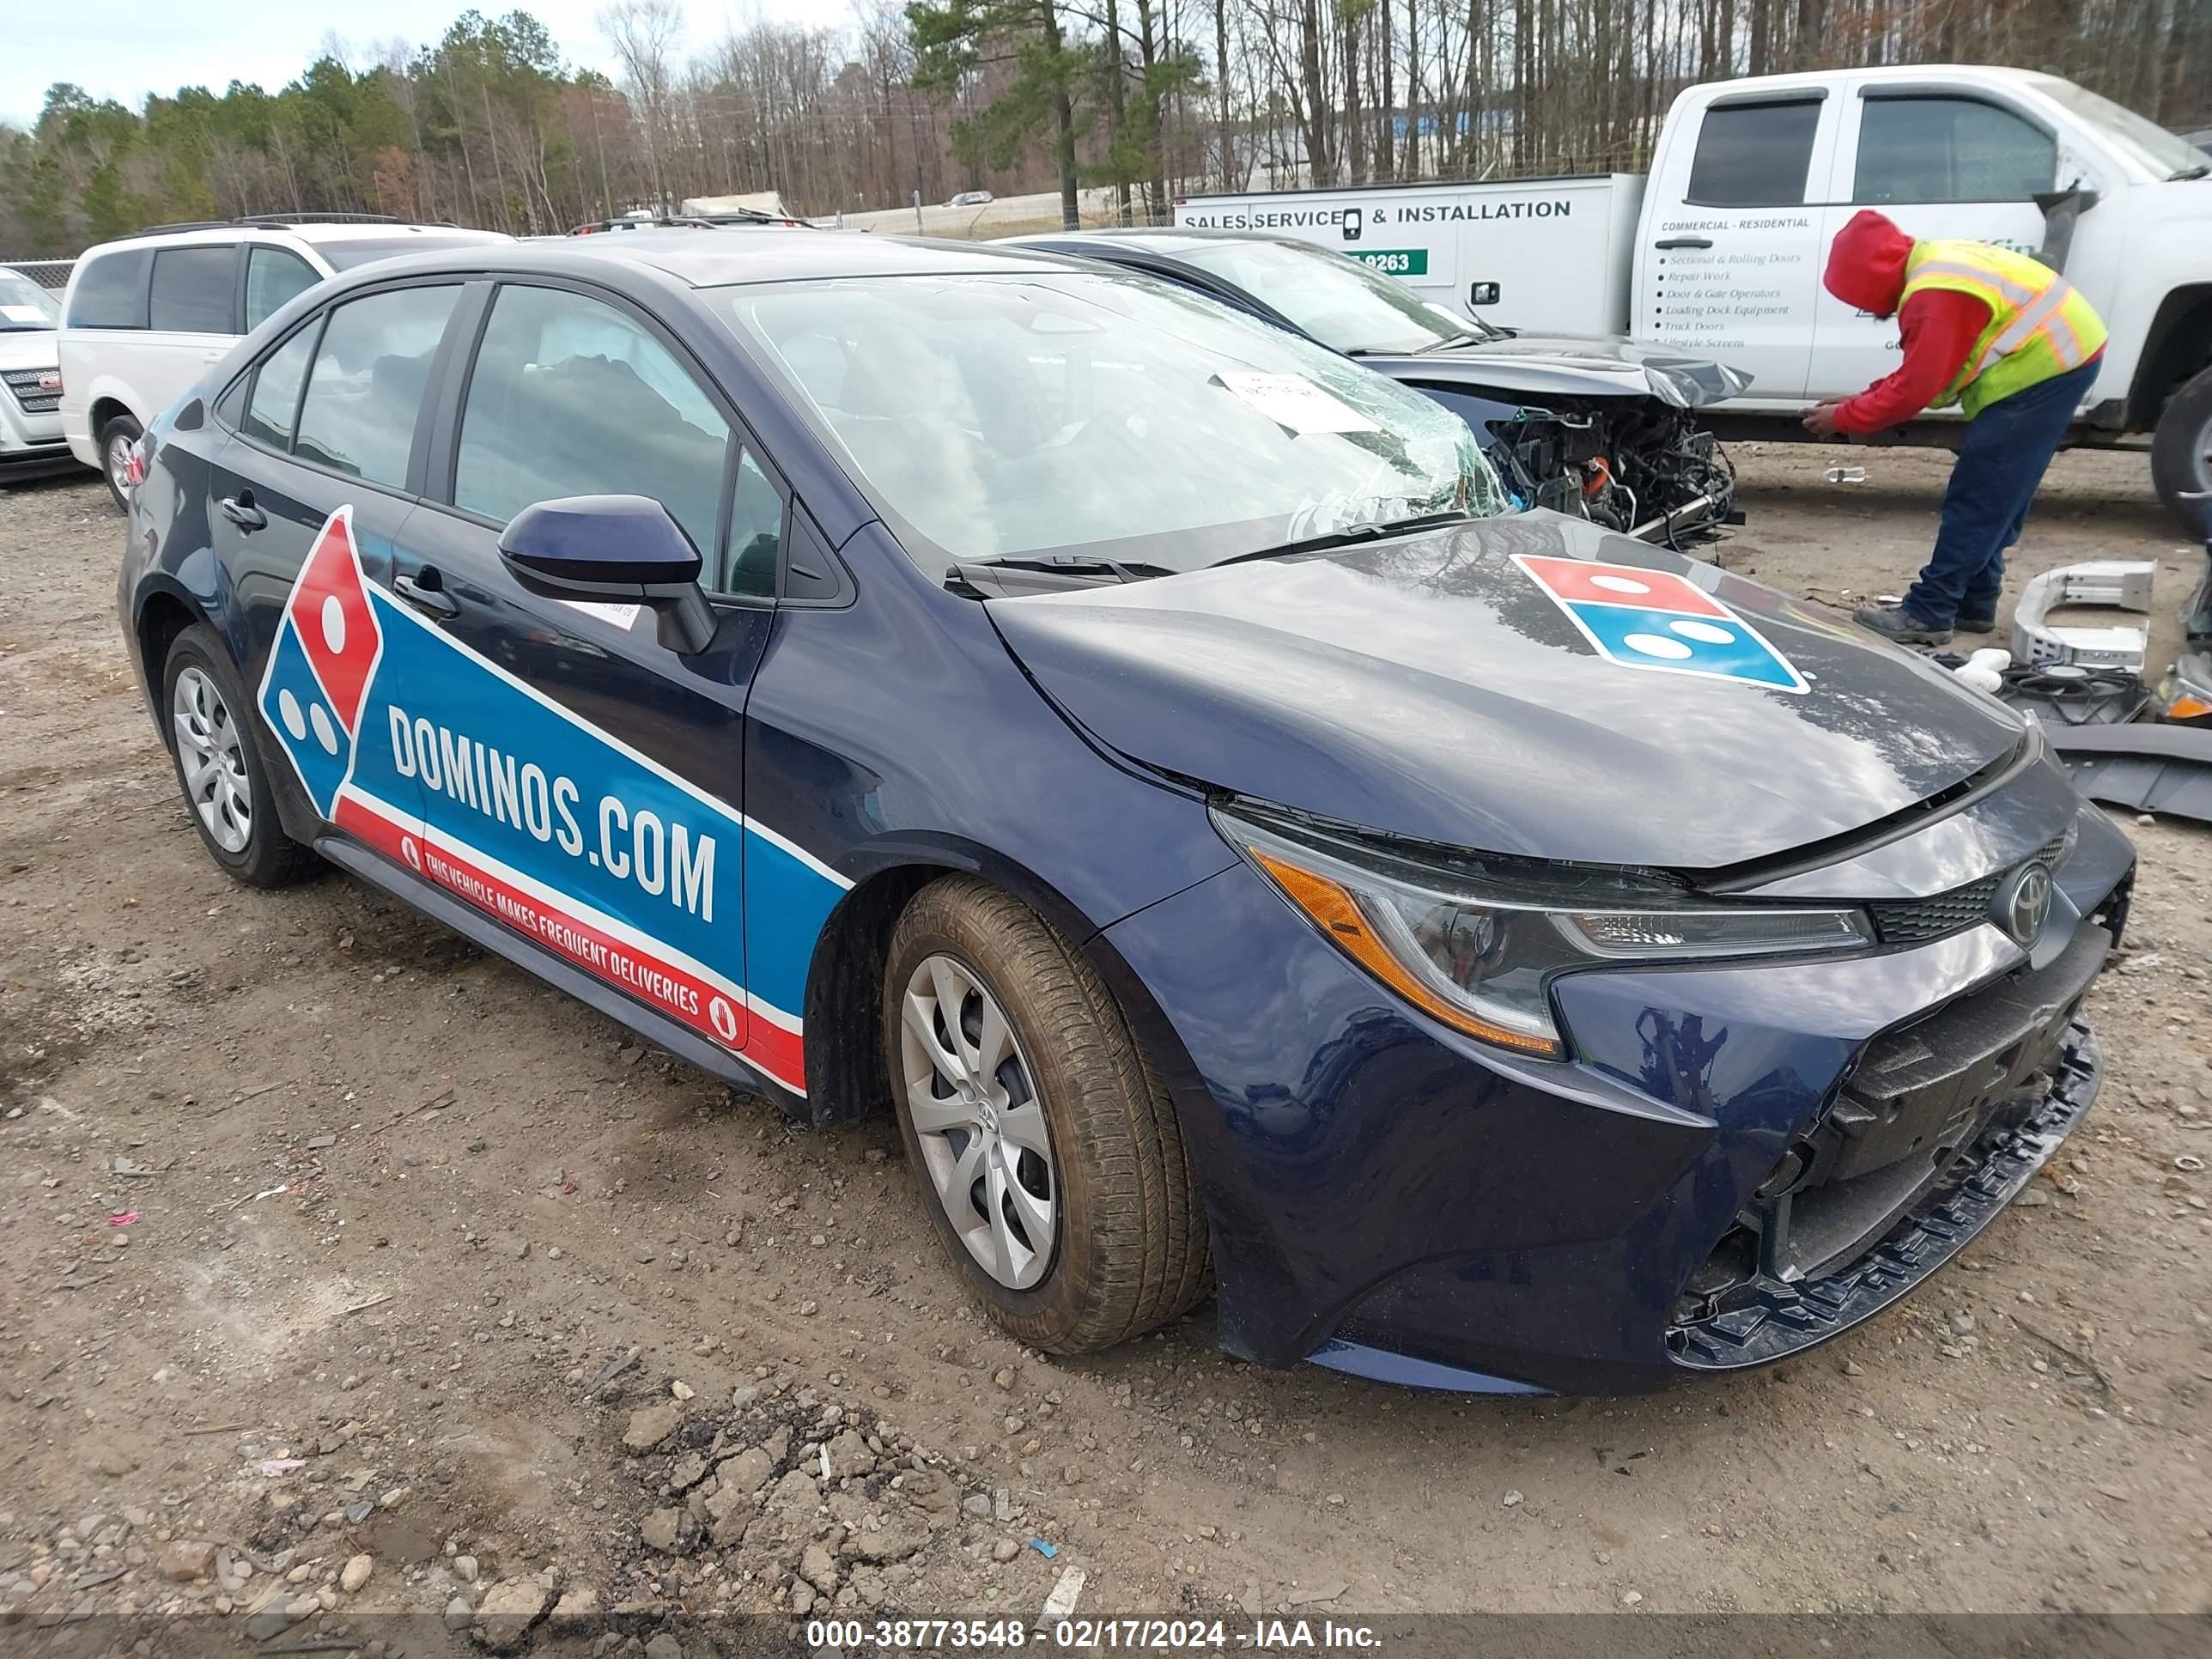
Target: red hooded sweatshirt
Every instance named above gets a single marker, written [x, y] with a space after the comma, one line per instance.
[1866, 270]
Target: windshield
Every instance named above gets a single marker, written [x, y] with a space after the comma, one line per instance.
[1331, 296]
[345, 255]
[1103, 415]
[24, 305]
[2166, 153]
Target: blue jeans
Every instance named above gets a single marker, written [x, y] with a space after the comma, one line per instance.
[2001, 462]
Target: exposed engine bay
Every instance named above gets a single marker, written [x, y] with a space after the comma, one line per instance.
[1634, 465]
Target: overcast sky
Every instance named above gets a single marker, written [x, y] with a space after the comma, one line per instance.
[124, 49]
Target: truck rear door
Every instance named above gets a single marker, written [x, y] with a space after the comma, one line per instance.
[1959, 161]
[1728, 264]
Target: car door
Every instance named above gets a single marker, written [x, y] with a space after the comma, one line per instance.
[192, 318]
[1957, 162]
[578, 779]
[306, 499]
[1730, 263]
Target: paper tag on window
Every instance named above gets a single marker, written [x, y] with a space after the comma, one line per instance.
[616, 615]
[1293, 402]
[30, 314]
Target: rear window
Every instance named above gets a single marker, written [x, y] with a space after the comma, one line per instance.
[366, 385]
[344, 256]
[111, 290]
[1755, 154]
[193, 289]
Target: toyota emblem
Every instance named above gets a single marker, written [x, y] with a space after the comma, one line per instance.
[2023, 903]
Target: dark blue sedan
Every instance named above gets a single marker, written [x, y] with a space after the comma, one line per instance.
[1125, 741]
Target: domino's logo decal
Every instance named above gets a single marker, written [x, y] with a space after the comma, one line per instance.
[1656, 620]
[476, 781]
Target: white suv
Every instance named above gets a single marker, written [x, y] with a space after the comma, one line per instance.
[145, 316]
[30, 429]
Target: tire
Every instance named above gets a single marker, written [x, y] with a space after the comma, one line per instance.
[2181, 454]
[215, 744]
[115, 441]
[1129, 1247]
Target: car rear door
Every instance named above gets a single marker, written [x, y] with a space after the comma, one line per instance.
[580, 780]
[1730, 260]
[307, 500]
[192, 318]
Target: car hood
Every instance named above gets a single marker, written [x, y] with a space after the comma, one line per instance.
[1435, 687]
[1572, 365]
[29, 348]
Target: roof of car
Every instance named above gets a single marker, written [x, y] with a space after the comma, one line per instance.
[729, 259]
[315, 233]
[1152, 238]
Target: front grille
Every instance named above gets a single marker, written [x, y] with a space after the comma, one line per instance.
[1914, 921]
[24, 383]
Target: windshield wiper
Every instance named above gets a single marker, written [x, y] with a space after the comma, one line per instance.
[1043, 572]
[2197, 172]
[1357, 533]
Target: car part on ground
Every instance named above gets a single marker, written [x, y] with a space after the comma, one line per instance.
[1597, 429]
[2124, 584]
[2151, 767]
[1445, 926]
[2066, 693]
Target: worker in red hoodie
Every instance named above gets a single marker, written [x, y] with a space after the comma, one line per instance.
[2015, 345]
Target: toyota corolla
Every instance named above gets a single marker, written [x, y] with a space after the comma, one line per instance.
[1134, 746]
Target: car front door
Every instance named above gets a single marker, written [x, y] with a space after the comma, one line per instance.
[1956, 163]
[579, 779]
[306, 501]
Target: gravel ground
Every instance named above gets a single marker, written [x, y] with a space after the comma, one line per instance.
[301, 1176]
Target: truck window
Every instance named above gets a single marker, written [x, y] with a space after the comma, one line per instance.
[1949, 150]
[1755, 154]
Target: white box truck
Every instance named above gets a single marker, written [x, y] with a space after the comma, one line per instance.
[1720, 249]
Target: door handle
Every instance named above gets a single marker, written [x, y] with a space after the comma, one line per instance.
[425, 590]
[240, 511]
[1685, 241]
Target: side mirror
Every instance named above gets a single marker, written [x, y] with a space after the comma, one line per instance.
[615, 549]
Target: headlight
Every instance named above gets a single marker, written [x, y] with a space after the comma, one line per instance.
[1475, 941]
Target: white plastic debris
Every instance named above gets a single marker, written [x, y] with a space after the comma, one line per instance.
[1984, 670]
[1061, 1602]
[2122, 583]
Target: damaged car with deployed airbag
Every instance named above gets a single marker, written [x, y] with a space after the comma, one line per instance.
[1601, 429]
[1141, 752]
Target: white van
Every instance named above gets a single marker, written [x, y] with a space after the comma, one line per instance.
[145, 316]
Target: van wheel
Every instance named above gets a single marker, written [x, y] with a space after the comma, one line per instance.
[219, 767]
[1047, 1149]
[2181, 454]
[115, 441]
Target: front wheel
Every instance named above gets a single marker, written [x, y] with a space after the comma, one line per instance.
[115, 441]
[2181, 454]
[1047, 1151]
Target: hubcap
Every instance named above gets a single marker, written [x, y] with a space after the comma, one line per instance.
[2204, 456]
[973, 1102]
[213, 763]
[119, 463]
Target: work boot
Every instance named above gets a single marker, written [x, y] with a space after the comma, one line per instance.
[1894, 622]
[1966, 624]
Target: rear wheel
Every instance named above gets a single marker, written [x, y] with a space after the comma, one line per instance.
[1047, 1151]
[219, 765]
[2181, 454]
[115, 441]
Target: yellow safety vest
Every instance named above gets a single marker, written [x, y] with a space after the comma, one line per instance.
[2039, 324]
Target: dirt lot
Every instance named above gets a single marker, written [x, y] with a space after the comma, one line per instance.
[301, 1176]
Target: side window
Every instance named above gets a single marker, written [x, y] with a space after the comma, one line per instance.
[571, 397]
[273, 275]
[756, 534]
[1755, 154]
[191, 290]
[1949, 150]
[111, 290]
[276, 384]
[366, 385]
